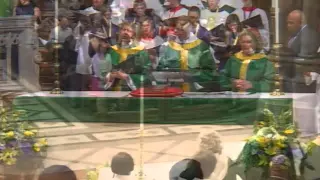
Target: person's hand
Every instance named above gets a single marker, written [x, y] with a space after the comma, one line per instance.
[307, 74]
[242, 85]
[122, 75]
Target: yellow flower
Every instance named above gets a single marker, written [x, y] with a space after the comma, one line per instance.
[262, 141]
[271, 150]
[43, 142]
[9, 134]
[34, 131]
[289, 131]
[92, 175]
[28, 133]
[36, 147]
[247, 139]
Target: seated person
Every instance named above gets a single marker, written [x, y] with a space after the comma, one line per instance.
[190, 54]
[129, 51]
[122, 165]
[248, 70]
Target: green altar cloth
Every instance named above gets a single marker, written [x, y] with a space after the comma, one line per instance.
[118, 107]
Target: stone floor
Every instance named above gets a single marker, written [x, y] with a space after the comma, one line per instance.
[82, 146]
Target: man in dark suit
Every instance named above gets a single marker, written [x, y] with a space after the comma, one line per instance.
[303, 42]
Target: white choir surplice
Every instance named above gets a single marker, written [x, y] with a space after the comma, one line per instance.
[168, 14]
[310, 79]
[210, 19]
[243, 15]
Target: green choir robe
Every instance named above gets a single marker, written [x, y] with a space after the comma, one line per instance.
[6, 8]
[194, 57]
[142, 61]
[256, 69]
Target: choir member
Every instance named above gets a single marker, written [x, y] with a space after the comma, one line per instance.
[150, 39]
[213, 15]
[190, 54]
[108, 27]
[175, 9]
[248, 70]
[127, 51]
[249, 11]
[139, 12]
[198, 30]
[96, 5]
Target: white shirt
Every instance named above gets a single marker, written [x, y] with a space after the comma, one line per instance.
[310, 79]
[84, 63]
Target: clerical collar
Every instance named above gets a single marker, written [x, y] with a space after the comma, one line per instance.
[176, 9]
[249, 9]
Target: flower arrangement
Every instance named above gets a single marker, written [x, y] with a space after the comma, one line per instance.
[261, 147]
[94, 174]
[283, 123]
[274, 135]
[17, 137]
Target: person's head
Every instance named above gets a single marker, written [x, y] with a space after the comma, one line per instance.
[146, 26]
[247, 3]
[194, 15]
[201, 166]
[97, 3]
[210, 141]
[126, 33]
[106, 12]
[122, 164]
[233, 23]
[213, 4]
[63, 21]
[173, 3]
[24, 2]
[182, 29]
[57, 172]
[295, 21]
[37, 12]
[139, 7]
[250, 41]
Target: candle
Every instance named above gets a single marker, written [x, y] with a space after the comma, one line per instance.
[277, 21]
[56, 10]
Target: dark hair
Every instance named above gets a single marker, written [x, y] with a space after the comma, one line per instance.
[57, 172]
[201, 166]
[195, 9]
[233, 18]
[122, 164]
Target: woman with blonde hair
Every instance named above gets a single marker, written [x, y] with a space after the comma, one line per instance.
[208, 163]
[248, 70]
